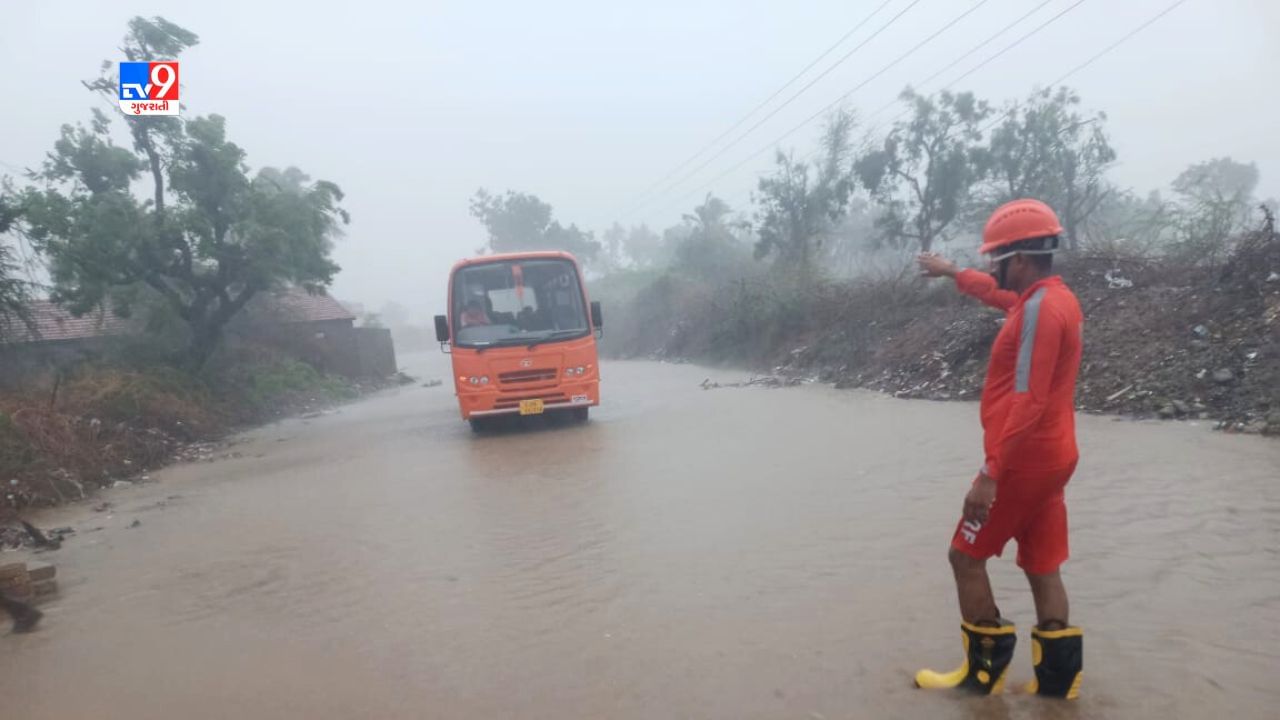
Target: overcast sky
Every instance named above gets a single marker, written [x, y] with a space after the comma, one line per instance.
[411, 106]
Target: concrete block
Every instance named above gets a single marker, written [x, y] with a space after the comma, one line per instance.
[13, 570]
[44, 588]
[39, 571]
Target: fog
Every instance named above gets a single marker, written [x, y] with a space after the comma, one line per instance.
[410, 107]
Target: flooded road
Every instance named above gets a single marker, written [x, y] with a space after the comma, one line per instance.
[735, 553]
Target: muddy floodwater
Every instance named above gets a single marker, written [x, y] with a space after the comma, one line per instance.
[731, 553]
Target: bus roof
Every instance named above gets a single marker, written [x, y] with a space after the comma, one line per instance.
[505, 257]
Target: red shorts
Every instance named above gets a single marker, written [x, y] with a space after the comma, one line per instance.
[1029, 508]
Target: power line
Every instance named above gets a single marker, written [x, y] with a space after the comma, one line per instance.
[789, 100]
[952, 23]
[990, 39]
[1097, 56]
[1065, 76]
[766, 101]
[1027, 36]
[975, 68]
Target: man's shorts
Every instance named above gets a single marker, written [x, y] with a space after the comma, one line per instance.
[1029, 508]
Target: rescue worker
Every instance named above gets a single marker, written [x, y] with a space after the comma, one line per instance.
[1028, 422]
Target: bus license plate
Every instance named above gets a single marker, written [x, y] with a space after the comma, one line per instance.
[531, 407]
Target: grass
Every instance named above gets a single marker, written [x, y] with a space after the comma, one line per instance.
[267, 389]
[99, 423]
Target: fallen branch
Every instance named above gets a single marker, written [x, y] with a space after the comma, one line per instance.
[1112, 397]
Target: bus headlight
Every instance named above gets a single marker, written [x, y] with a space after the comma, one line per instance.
[484, 379]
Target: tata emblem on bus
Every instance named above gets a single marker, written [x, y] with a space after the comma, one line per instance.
[526, 363]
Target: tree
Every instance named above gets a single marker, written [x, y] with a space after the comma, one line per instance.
[14, 296]
[520, 221]
[14, 292]
[708, 218]
[1048, 150]
[205, 242]
[613, 248]
[798, 214]
[644, 247]
[1215, 202]
[851, 247]
[705, 245]
[1127, 223]
[923, 174]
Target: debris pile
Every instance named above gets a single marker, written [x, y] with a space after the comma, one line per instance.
[1162, 339]
[767, 381]
[1204, 345]
[25, 536]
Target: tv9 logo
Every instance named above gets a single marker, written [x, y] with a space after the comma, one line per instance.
[149, 88]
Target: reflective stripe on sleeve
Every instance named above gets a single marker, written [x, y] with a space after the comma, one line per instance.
[1027, 342]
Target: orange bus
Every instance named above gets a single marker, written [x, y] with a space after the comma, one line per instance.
[522, 334]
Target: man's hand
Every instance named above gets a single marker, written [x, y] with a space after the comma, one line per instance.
[934, 265]
[977, 504]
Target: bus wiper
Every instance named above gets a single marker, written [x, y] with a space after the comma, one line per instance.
[553, 336]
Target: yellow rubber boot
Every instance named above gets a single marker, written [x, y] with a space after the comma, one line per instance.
[1058, 657]
[987, 653]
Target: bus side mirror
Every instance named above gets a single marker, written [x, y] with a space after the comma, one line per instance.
[597, 315]
[442, 329]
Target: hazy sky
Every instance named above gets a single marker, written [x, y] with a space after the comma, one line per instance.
[411, 107]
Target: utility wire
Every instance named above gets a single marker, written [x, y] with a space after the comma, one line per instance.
[766, 101]
[990, 39]
[1064, 77]
[952, 23]
[1096, 56]
[720, 153]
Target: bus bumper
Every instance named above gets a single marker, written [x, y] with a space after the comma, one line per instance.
[565, 397]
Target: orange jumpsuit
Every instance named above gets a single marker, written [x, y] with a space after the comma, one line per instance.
[1028, 421]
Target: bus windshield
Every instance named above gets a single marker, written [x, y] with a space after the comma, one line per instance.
[516, 302]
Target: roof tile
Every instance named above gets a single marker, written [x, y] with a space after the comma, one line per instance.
[54, 323]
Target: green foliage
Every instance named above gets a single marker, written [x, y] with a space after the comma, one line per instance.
[753, 318]
[157, 396]
[644, 247]
[923, 174]
[1047, 149]
[520, 221]
[267, 387]
[1127, 224]
[705, 246]
[1220, 180]
[612, 255]
[209, 237]
[797, 214]
[1215, 202]
[16, 451]
[14, 296]
[157, 39]
[620, 293]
